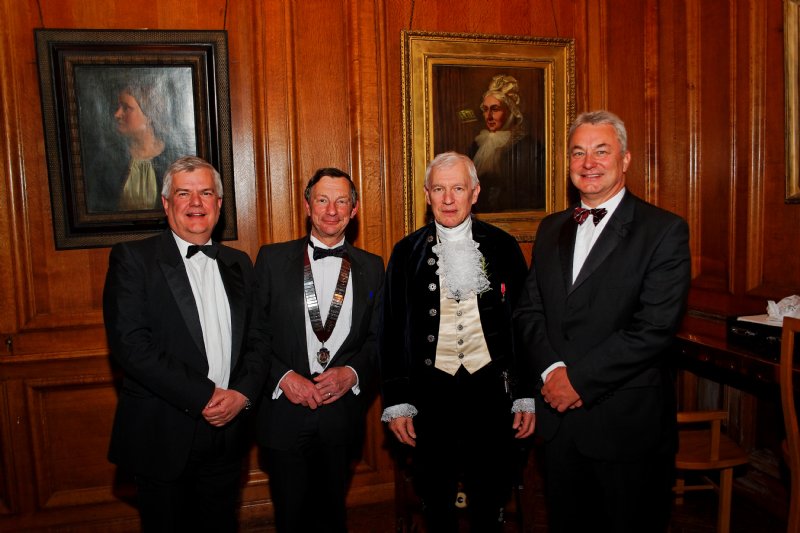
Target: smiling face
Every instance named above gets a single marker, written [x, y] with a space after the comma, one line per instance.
[330, 208]
[494, 112]
[193, 206]
[450, 194]
[597, 164]
[129, 116]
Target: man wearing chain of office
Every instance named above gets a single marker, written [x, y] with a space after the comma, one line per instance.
[446, 353]
[319, 297]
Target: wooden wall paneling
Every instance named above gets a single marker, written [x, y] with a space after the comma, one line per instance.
[624, 54]
[674, 186]
[10, 192]
[651, 177]
[595, 67]
[712, 113]
[772, 262]
[323, 97]
[692, 62]
[244, 22]
[279, 88]
[368, 84]
[70, 421]
[8, 476]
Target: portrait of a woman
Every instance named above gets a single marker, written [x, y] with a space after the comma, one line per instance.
[510, 164]
[146, 123]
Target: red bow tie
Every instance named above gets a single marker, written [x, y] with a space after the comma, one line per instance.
[580, 214]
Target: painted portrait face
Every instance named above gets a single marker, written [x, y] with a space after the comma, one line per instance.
[193, 206]
[450, 194]
[597, 164]
[129, 116]
[494, 112]
[330, 209]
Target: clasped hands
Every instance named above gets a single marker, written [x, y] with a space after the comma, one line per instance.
[558, 392]
[324, 389]
[223, 406]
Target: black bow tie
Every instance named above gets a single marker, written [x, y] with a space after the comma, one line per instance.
[321, 253]
[211, 250]
[580, 214]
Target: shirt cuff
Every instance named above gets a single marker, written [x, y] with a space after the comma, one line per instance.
[524, 405]
[355, 388]
[551, 368]
[397, 411]
[277, 392]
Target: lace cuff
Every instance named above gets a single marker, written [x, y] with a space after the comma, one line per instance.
[396, 411]
[524, 405]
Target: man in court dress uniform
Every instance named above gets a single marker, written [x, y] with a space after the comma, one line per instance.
[446, 352]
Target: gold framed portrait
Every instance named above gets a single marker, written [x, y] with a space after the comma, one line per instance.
[507, 103]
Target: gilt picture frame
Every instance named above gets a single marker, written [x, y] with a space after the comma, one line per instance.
[791, 35]
[445, 78]
[118, 107]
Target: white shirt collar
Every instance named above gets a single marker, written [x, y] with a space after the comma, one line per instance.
[611, 204]
[319, 244]
[462, 231]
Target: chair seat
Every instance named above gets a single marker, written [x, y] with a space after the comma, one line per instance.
[694, 451]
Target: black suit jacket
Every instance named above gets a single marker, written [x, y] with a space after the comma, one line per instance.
[154, 334]
[612, 327]
[279, 270]
[410, 322]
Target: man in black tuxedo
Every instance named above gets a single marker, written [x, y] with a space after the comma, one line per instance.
[179, 315]
[604, 297]
[318, 295]
[446, 352]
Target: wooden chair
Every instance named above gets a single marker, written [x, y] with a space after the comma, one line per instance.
[704, 448]
[791, 326]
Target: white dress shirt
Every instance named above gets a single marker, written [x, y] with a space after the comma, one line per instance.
[213, 309]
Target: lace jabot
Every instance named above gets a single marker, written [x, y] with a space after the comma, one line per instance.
[461, 265]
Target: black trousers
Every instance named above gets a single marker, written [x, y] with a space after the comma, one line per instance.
[309, 483]
[464, 436]
[204, 497]
[586, 494]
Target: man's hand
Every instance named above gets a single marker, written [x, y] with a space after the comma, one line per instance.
[334, 383]
[223, 406]
[558, 391]
[300, 391]
[524, 424]
[403, 429]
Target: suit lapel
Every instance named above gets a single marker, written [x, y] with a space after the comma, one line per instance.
[171, 264]
[615, 231]
[293, 274]
[230, 272]
[566, 249]
[359, 298]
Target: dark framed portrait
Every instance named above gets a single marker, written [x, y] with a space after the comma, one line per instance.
[506, 102]
[118, 108]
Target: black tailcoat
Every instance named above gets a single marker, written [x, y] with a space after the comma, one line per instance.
[410, 325]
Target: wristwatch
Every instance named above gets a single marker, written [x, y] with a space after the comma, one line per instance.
[247, 404]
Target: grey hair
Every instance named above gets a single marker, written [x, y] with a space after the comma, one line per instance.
[189, 163]
[601, 116]
[450, 159]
